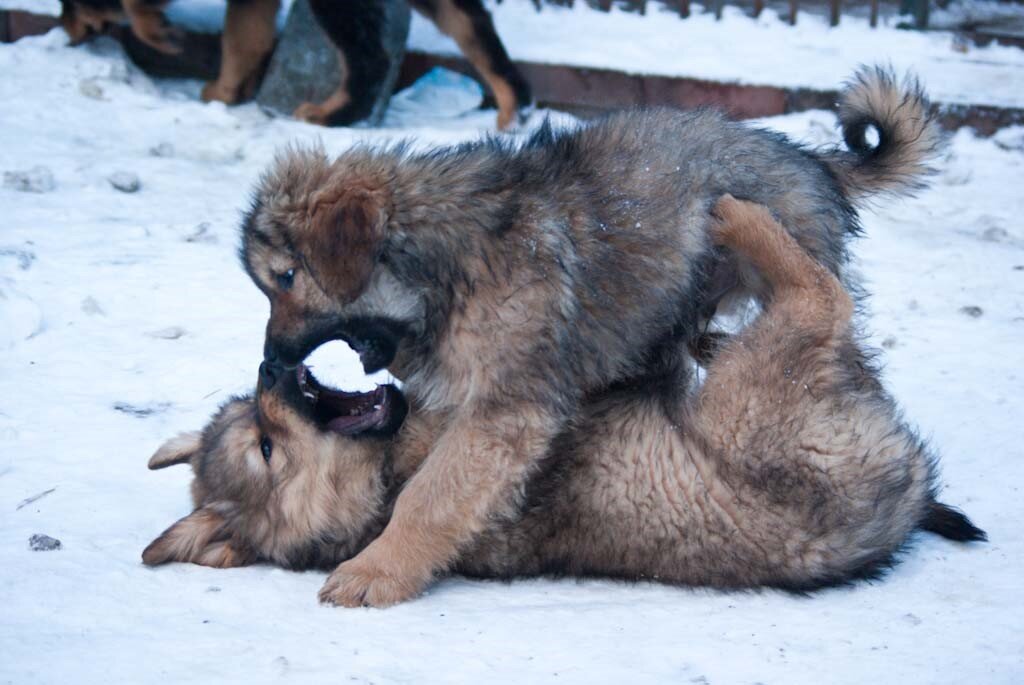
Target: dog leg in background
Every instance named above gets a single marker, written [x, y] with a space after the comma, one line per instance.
[151, 26]
[82, 19]
[248, 39]
[333, 108]
[356, 28]
[470, 26]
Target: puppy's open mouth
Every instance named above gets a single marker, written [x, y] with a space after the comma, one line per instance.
[377, 412]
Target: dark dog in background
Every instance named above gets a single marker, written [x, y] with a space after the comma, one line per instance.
[789, 467]
[354, 26]
[505, 283]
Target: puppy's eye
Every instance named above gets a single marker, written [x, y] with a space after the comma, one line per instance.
[285, 280]
[267, 448]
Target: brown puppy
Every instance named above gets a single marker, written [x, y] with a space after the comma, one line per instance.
[503, 283]
[789, 467]
[352, 25]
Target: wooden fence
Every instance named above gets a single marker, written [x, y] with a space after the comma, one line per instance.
[918, 9]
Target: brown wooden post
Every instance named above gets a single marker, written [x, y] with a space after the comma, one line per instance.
[921, 14]
[719, 6]
[638, 6]
[792, 12]
[833, 13]
[874, 13]
[919, 10]
[758, 7]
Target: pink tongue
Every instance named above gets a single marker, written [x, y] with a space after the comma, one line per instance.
[347, 425]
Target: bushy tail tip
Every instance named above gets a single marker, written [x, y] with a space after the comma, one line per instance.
[951, 524]
[908, 136]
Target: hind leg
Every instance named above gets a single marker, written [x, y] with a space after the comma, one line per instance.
[82, 21]
[803, 294]
[795, 415]
[356, 29]
[151, 26]
[791, 353]
[246, 43]
[470, 26]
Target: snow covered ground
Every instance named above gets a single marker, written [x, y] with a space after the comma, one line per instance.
[125, 318]
[740, 49]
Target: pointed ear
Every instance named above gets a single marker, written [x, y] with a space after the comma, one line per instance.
[344, 241]
[199, 538]
[177, 450]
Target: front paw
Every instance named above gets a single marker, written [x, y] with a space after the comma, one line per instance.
[312, 113]
[154, 30]
[357, 583]
[215, 91]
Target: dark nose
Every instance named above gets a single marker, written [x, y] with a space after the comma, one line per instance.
[268, 375]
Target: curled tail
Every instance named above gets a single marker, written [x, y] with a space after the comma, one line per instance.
[908, 135]
[946, 521]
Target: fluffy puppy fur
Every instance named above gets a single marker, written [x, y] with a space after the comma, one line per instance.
[789, 467]
[505, 283]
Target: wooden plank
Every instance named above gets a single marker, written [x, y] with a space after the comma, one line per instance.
[17, 24]
[198, 59]
[636, 6]
[983, 119]
[986, 36]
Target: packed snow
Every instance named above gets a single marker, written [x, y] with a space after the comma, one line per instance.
[125, 318]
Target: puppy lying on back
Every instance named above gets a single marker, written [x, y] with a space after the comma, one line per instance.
[788, 467]
[504, 284]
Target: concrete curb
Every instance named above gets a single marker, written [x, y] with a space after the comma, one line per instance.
[586, 91]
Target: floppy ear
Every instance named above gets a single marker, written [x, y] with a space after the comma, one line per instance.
[177, 450]
[199, 538]
[344, 241]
